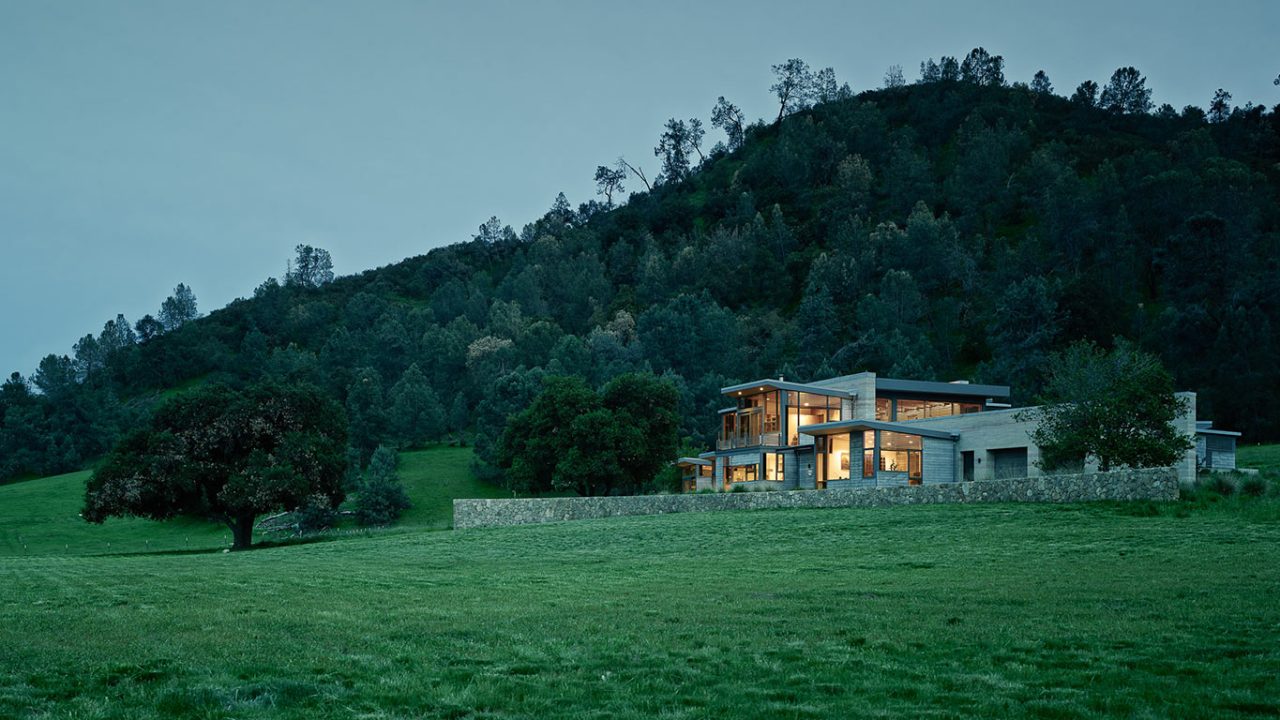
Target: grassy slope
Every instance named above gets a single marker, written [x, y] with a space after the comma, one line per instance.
[41, 517]
[1263, 457]
[433, 478]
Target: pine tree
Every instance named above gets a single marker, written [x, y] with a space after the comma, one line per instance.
[416, 413]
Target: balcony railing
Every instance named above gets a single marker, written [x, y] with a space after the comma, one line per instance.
[744, 440]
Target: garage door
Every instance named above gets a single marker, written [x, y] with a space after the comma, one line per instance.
[1010, 463]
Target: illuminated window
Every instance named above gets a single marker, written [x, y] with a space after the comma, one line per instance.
[742, 473]
[837, 457]
[774, 467]
[884, 409]
[901, 453]
[809, 409]
[868, 453]
[922, 409]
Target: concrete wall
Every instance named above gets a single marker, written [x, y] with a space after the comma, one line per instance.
[991, 430]
[1159, 484]
[1186, 424]
[983, 432]
[941, 461]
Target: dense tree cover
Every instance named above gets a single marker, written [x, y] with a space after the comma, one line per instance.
[1115, 407]
[572, 438]
[955, 227]
[228, 455]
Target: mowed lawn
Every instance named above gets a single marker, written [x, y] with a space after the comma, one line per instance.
[942, 611]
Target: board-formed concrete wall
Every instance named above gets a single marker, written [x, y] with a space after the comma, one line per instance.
[1160, 484]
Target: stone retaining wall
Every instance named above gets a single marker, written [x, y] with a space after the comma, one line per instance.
[1160, 484]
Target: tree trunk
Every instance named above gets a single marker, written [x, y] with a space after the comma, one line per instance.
[241, 532]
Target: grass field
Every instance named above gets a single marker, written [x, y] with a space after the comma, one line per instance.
[1262, 457]
[1108, 610]
[41, 517]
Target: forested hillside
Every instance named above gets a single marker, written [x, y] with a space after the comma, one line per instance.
[958, 227]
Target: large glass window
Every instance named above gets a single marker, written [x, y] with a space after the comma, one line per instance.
[774, 468]
[900, 452]
[909, 409]
[759, 419]
[884, 409]
[868, 453]
[742, 473]
[772, 421]
[837, 457]
[728, 429]
[809, 409]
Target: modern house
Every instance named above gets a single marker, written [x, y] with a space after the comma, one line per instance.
[867, 431]
[1215, 449]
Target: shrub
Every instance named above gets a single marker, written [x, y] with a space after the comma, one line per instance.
[1221, 484]
[381, 498]
[315, 513]
[1253, 486]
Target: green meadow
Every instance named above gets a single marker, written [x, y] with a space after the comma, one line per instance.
[1101, 610]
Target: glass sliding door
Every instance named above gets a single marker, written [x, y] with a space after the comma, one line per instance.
[836, 460]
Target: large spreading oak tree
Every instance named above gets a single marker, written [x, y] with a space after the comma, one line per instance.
[228, 455]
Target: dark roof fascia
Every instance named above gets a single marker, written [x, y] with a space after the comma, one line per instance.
[1213, 431]
[784, 385]
[692, 461]
[928, 387]
[832, 428]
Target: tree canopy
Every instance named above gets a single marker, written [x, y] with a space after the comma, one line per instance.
[1116, 407]
[227, 455]
[572, 438]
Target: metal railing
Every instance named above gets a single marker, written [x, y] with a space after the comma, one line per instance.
[742, 440]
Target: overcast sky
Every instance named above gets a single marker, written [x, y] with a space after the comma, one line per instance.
[143, 144]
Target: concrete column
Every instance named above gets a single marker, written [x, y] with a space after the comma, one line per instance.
[1186, 425]
[864, 405]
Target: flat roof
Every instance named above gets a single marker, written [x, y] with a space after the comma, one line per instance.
[931, 387]
[844, 426]
[761, 385]
[1211, 431]
[692, 461]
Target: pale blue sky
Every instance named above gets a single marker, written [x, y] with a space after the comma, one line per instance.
[144, 144]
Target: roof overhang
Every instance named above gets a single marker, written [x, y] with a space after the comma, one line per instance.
[1212, 431]
[691, 461]
[763, 385]
[845, 426]
[933, 388]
